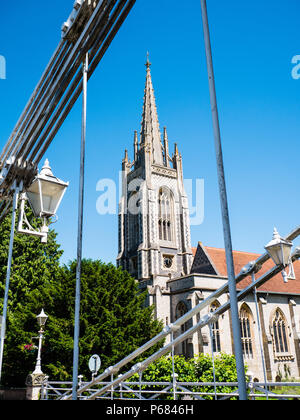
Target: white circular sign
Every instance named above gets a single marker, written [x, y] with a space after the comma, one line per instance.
[94, 363]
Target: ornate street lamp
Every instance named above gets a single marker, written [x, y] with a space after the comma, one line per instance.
[42, 319]
[46, 192]
[44, 196]
[280, 251]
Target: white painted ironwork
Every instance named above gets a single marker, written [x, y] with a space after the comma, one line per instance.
[184, 391]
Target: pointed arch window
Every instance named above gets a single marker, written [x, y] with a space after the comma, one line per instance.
[215, 328]
[181, 309]
[134, 221]
[246, 332]
[165, 215]
[280, 336]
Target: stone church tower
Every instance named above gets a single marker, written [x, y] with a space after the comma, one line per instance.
[154, 227]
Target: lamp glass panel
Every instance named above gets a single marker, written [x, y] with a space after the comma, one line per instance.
[286, 251]
[42, 318]
[34, 199]
[51, 195]
[280, 253]
[275, 253]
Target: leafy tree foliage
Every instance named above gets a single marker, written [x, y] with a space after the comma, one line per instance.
[113, 323]
[34, 270]
[114, 320]
[197, 370]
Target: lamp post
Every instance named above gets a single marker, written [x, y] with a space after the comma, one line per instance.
[44, 196]
[42, 319]
[279, 250]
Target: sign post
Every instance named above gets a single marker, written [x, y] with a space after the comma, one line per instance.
[94, 364]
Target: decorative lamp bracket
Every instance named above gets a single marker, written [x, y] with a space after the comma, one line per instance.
[28, 229]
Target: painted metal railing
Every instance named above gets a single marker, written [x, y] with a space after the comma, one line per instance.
[176, 391]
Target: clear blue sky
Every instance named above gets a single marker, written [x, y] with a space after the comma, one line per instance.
[259, 103]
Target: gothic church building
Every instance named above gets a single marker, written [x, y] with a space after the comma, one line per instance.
[155, 248]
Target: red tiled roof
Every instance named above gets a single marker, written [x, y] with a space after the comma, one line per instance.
[194, 250]
[275, 284]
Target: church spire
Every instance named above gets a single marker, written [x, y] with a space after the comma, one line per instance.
[150, 126]
[166, 147]
[136, 146]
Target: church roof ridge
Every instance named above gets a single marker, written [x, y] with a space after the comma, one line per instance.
[235, 251]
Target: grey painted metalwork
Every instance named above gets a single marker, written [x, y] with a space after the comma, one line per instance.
[225, 212]
[58, 90]
[80, 228]
[193, 391]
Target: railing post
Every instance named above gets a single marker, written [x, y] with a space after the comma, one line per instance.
[112, 387]
[44, 387]
[121, 388]
[175, 376]
[140, 383]
[251, 383]
[173, 367]
[213, 359]
[260, 338]
[80, 377]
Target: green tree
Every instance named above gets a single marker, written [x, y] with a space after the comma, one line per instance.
[114, 320]
[35, 268]
[225, 371]
[197, 370]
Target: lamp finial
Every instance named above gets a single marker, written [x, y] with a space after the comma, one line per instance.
[46, 169]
